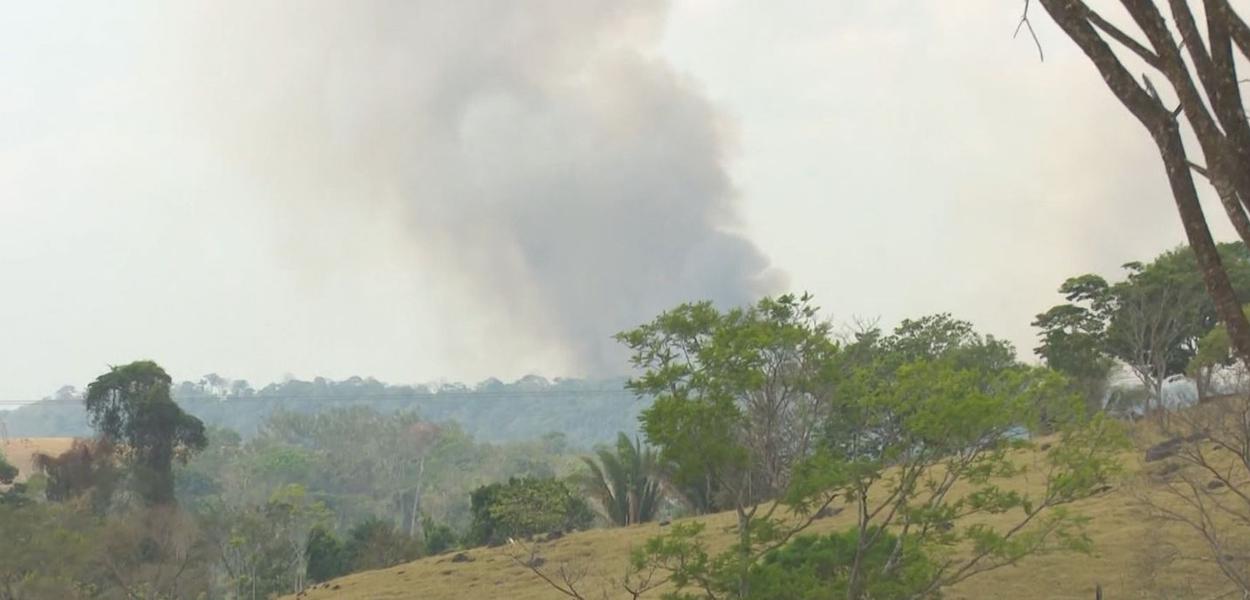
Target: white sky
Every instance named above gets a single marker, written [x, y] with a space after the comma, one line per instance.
[895, 157]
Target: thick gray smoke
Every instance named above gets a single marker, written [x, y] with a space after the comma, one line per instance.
[544, 159]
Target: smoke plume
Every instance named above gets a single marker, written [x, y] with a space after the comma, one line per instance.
[543, 159]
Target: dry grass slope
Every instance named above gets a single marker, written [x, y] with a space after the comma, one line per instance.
[19, 451]
[1126, 562]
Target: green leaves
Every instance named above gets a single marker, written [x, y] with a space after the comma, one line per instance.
[131, 405]
[625, 483]
[916, 430]
[1151, 320]
[1085, 458]
[735, 394]
[523, 507]
[8, 472]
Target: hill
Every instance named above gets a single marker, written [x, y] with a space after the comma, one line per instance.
[587, 412]
[1129, 560]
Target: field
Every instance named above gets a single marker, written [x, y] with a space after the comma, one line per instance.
[1128, 561]
[19, 451]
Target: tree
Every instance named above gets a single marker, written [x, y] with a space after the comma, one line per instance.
[45, 552]
[1214, 353]
[523, 507]
[154, 552]
[626, 484]
[375, 544]
[86, 469]
[1208, 94]
[1072, 344]
[1205, 485]
[8, 472]
[736, 394]
[1150, 321]
[262, 548]
[916, 433]
[327, 558]
[131, 406]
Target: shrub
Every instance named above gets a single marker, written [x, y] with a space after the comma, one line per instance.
[524, 507]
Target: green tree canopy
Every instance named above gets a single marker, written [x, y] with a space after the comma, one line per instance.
[525, 506]
[131, 406]
[916, 431]
[1151, 320]
[736, 393]
[8, 472]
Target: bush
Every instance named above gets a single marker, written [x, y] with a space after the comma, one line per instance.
[438, 537]
[524, 507]
[375, 544]
[812, 567]
[327, 558]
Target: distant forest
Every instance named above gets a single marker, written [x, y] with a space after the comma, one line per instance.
[587, 412]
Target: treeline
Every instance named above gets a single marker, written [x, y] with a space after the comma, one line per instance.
[587, 412]
[156, 505]
[762, 410]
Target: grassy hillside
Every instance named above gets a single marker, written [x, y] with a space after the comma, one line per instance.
[1128, 547]
[19, 451]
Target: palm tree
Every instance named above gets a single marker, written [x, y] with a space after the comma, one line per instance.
[625, 483]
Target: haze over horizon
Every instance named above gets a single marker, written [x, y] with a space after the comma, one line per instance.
[381, 189]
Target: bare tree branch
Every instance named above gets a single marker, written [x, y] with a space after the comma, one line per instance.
[1026, 23]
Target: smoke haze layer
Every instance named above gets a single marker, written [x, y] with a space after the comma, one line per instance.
[542, 159]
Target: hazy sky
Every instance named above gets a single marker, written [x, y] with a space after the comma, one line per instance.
[424, 190]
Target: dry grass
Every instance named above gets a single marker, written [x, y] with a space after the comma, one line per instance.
[1130, 559]
[18, 451]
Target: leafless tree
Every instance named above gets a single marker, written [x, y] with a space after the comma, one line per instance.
[574, 580]
[1206, 484]
[1202, 74]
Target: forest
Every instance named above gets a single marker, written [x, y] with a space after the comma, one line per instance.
[464, 186]
[766, 412]
[585, 411]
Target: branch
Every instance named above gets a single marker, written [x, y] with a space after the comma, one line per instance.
[1125, 39]
[568, 589]
[1025, 22]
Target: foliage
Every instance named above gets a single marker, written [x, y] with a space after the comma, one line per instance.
[914, 430]
[362, 463]
[327, 558]
[1207, 480]
[153, 552]
[586, 412]
[374, 544]
[808, 568]
[626, 484]
[45, 552]
[131, 405]
[262, 548]
[523, 507]
[813, 567]
[437, 537]
[8, 472]
[1213, 356]
[1152, 320]
[735, 394]
[86, 470]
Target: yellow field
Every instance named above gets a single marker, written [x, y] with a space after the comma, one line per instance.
[19, 451]
[1126, 561]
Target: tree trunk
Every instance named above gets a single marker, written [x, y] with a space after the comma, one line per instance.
[1074, 17]
[416, 499]
[1167, 137]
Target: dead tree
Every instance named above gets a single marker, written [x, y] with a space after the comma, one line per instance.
[1202, 75]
